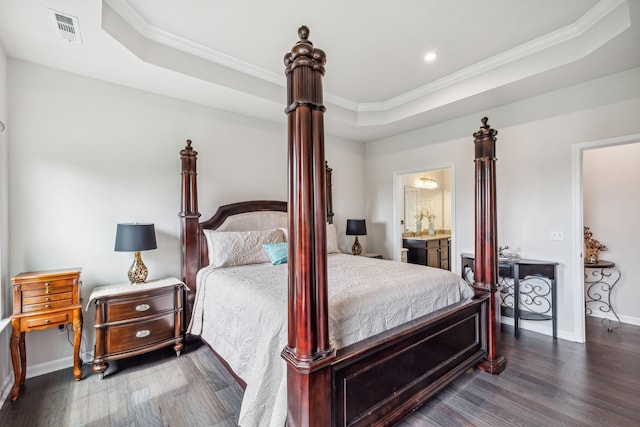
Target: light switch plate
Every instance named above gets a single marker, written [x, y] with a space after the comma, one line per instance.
[556, 235]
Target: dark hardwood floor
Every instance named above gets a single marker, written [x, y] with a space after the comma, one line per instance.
[546, 383]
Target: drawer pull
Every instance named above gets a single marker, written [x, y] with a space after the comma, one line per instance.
[46, 288]
[47, 299]
[47, 306]
[143, 333]
[47, 321]
[143, 307]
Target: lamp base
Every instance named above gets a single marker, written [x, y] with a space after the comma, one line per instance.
[356, 249]
[138, 271]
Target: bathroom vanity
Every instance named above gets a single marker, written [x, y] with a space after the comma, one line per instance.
[432, 251]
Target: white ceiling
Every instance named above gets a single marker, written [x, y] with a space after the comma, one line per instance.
[228, 54]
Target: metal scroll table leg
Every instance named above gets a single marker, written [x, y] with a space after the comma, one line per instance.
[600, 283]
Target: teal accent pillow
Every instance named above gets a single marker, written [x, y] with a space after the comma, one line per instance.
[277, 252]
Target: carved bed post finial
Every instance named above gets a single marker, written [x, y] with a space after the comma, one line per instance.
[189, 222]
[303, 33]
[486, 240]
[308, 346]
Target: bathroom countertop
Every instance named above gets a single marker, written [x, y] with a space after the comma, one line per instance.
[427, 237]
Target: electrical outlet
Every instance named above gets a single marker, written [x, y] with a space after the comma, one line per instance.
[556, 235]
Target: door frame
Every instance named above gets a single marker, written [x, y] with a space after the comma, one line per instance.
[577, 151]
[398, 205]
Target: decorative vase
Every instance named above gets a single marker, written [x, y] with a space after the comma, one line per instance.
[418, 226]
[431, 230]
[591, 256]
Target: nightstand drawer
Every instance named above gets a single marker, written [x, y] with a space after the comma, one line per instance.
[53, 290]
[26, 308]
[139, 334]
[47, 298]
[132, 308]
[47, 287]
[45, 320]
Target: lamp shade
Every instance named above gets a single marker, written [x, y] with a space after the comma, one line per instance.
[356, 227]
[135, 237]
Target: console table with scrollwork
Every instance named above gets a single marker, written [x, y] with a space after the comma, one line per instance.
[531, 282]
[600, 277]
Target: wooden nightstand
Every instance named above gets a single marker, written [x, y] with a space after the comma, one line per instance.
[42, 300]
[135, 319]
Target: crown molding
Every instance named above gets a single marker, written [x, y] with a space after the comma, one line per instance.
[593, 16]
[572, 32]
[158, 35]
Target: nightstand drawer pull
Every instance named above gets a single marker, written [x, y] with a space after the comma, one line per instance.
[46, 288]
[47, 306]
[143, 307]
[143, 333]
[47, 321]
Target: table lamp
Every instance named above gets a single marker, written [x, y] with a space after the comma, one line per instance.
[356, 227]
[136, 237]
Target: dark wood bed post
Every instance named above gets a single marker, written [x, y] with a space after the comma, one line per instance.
[308, 350]
[329, 173]
[189, 223]
[486, 242]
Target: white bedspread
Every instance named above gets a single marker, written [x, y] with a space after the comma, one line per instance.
[242, 313]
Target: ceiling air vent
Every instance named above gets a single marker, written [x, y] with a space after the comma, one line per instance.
[67, 26]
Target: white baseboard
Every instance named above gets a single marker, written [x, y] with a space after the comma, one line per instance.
[51, 366]
[541, 327]
[545, 327]
[624, 319]
[6, 369]
[5, 388]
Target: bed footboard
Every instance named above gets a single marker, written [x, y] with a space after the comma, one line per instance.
[382, 379]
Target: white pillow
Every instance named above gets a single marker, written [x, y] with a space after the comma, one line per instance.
[285, 231]
[332, 239]
[230, 248]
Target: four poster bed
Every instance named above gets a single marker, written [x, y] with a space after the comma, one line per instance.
[364, 341]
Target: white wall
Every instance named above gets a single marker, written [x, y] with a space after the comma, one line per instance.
[534, 174]
[5, 301]
[86, 155]
[611, 210]
[4, 188]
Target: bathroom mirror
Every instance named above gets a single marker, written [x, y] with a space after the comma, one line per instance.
[419, 205]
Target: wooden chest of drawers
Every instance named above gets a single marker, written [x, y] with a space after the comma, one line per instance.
[135, 319]
[41, 300]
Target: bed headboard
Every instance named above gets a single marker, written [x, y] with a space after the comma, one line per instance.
[241, 216]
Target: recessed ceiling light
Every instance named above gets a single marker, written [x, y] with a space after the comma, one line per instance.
[430, 56]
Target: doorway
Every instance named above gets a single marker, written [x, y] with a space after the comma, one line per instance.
[610, 210]
[423, 199]
[602, 223]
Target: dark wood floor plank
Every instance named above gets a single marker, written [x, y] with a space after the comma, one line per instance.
[552, 383]
[547, 383]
